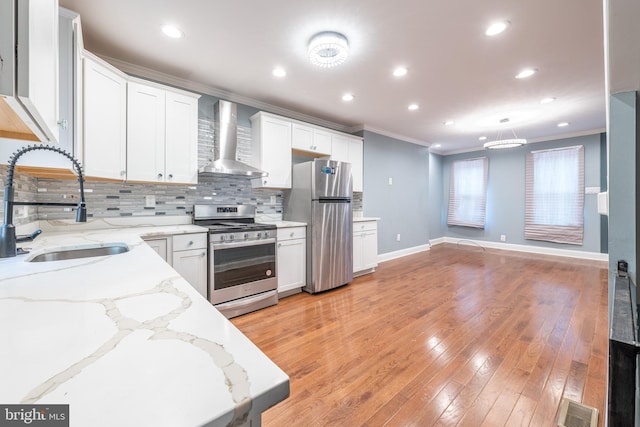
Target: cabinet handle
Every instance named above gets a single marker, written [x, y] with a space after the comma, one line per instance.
[203, 254]
[64, 124]
[190, 243]
[159, 175]
[265, 182]
[170, 176]
[279, 245]
[123, 173]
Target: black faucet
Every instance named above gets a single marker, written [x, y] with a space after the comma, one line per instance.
[8, 237]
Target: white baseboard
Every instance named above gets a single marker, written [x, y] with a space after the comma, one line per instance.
[403, 252]
[437, 241]
[595, 256]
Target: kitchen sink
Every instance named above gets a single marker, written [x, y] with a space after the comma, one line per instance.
[86, 252]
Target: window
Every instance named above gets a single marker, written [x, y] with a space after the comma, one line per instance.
[554, 209]
[468, 192]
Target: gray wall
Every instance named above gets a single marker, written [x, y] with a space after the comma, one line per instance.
[623, 136]
[402, 206]
[506, 194]
[437, 211]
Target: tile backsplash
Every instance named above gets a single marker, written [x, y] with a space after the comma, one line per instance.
[114, 199]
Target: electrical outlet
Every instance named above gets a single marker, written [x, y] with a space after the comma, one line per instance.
[390, 181]
[150, 201]
[398, 237]
[503, 237]
[273, 200]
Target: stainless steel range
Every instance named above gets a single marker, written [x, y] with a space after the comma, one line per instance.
[242, 258]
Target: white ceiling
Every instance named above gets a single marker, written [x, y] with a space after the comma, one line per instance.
[455, 71]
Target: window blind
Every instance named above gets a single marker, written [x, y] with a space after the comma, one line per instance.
[554, 207]
[468, 192]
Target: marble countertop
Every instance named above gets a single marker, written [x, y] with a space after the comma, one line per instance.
[286, 224]
[124, 340]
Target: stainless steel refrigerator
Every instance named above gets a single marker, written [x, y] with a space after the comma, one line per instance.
[321, 197]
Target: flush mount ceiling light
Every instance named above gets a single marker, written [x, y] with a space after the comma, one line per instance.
[482, 138]
[328, 49]
[348, 97]
[497, 28]
[448, 123]
[547, 100]
[171, 31]
[413, 107]
[563, 124]
[499, 142]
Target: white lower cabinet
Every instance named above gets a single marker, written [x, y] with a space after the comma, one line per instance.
[291, 256]
[365, 247]
[187, 254]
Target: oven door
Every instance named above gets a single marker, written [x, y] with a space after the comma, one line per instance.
[240, 269]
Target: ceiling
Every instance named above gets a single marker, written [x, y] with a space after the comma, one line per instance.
[455, 71]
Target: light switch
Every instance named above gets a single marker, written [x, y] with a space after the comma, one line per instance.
[390, 181]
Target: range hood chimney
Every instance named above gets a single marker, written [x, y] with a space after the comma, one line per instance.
[226, 114]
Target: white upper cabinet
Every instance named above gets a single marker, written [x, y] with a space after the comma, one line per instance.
[162, 135]
[29, 75]
[181, 138]
[311, 140]
[349, 149]
[271, 150]
[145, 133]
[105, 120]
[136, 130]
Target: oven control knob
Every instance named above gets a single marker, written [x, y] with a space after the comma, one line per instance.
[222, 238]
[266, 234]
[230, 236]
[246, 236]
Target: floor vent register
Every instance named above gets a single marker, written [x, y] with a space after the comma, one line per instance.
[574, 414]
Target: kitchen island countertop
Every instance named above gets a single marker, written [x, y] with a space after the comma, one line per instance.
[124, 340]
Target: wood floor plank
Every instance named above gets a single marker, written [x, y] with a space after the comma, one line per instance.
[453, 336]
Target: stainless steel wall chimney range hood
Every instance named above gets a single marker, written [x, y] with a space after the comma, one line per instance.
[226, 114]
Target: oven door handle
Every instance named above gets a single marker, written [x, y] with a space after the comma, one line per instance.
[240, 244]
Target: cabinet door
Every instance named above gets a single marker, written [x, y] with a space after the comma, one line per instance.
[358, 254]
[322, 142]
[37, 64]
[291, 264]
[181, 139]
[192, 266]
[145, 133]
[105, 119]
[369, 249]
[339, 148]
[302, 137]
[275, 152]
[356, 160]
[158, 245]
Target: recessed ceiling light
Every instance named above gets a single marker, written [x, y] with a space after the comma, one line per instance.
[497, 28]
[563, 124]
[348, 97]
[482, 138]
[173, 32]
[413, 107]
[448, 123]
[437, 146]
[400, 71]
[527, 72]
[547, 100]
[279, 72]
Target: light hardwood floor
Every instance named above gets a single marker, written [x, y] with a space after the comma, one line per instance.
[452, 336]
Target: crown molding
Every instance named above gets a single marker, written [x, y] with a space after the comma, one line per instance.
[179, 82]
[389, 134]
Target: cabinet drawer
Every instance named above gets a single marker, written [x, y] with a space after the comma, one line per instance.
[364, 226]
[183, 242]
[292, 233]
